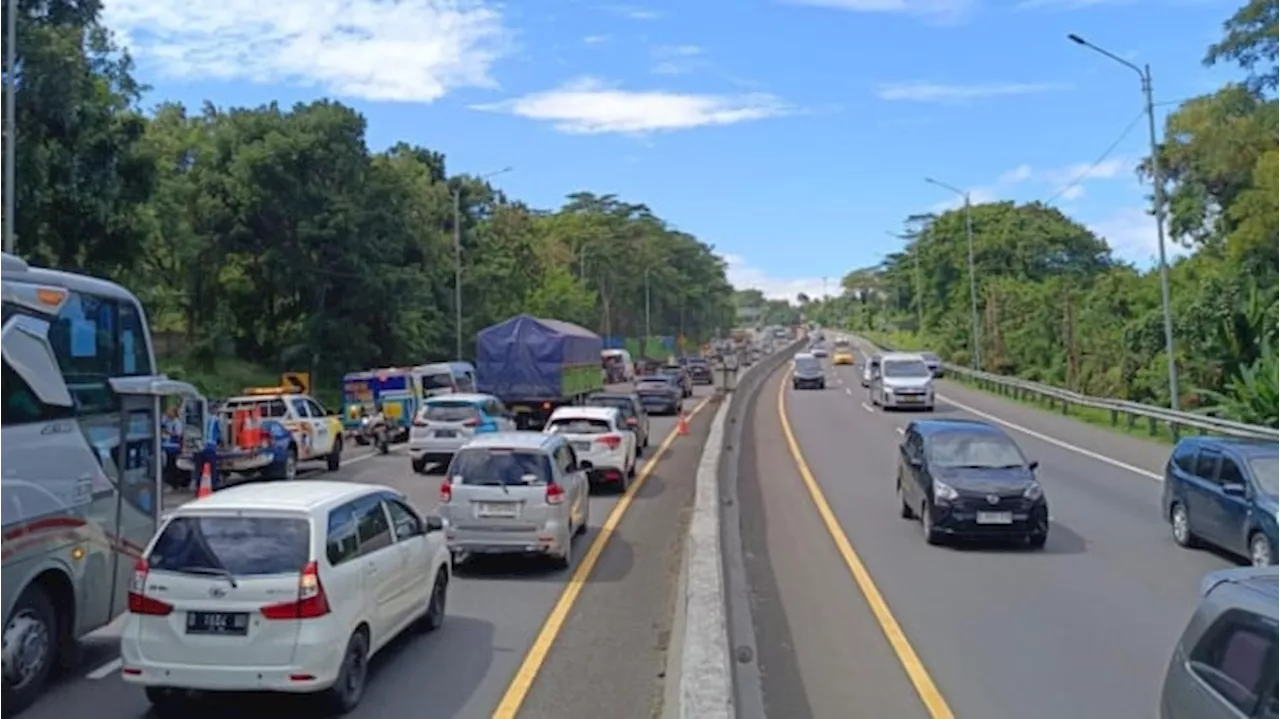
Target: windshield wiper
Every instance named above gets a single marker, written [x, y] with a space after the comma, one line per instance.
[212, 572]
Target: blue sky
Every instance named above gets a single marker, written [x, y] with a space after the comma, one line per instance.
[790, 134]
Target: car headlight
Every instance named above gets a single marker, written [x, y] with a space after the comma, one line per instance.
[1033, 491]
[944, 492]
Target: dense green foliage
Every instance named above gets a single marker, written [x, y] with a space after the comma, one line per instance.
[276, 236]
[1056, 307]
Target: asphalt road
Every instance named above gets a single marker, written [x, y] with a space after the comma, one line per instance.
[1083, 628]
[612, 640]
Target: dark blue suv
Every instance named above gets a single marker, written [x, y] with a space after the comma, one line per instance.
[1222, 492]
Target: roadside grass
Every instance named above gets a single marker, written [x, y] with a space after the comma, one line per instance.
[1139, 429]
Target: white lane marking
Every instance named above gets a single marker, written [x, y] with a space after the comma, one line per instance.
[848, 391]
[899, 430]
[868, 408]
[1055, 442]
[106, 670]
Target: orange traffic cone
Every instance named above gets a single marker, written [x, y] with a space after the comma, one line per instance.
[682, 424]
[205, 488]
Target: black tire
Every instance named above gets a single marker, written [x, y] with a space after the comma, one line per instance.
[437, 604]
[1182, 535]
[34, 605]
[288, 470]
[565, 561]
[334, 460]
[905, 510]
[420, 465]
[931, 534]
[348, 689]
[1037, 540]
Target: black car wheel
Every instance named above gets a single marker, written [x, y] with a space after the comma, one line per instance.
[1037, 540]
[931, 533]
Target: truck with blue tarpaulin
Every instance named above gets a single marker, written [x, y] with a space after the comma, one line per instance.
[393, 387]
[535, 365]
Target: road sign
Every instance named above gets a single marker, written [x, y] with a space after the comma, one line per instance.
[297, 382]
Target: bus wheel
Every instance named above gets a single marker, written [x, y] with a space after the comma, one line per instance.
[29, 647]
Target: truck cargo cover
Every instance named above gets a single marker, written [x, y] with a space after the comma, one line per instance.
[524, 356]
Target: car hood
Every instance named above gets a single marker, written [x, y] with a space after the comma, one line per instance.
[921, 382]
[985, 480]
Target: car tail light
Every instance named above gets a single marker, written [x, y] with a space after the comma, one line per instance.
[612, 441]
[632, 422]
[311, 601]
[139, 602]
[473, 422]
[420, 422]
[446, 491]
[555, 494]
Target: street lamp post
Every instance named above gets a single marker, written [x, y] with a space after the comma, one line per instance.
[11, 128]
[976, 353]
[1157, 194]
[648, 328]
[457, 261]
[915, 256]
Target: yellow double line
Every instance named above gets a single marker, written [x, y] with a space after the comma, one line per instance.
[932, 699]
[520, 685]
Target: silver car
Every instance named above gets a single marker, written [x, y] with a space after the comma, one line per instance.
[903, 381]
[446, 422]
[515, 493]
[1224, 666]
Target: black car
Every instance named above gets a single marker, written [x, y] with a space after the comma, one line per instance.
[660, 394]
[681, 375]
[968, 479]
[699, 370]
[807, 372]
[633, 412]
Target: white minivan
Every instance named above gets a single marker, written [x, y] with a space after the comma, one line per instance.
[281, 588]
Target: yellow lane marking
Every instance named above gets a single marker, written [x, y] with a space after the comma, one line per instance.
[919, 676]
[520, 685]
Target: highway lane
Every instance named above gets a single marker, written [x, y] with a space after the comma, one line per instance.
[496, 610]
[1083, 628]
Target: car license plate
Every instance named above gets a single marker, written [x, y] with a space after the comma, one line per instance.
[225, 623]
[446, 433]
[499, 510]
[995, 517]
[909, 397]
[582, 446]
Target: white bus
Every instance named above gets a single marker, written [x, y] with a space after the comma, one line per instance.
[81, 463]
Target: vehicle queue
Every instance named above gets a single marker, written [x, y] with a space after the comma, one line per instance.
[967, 479]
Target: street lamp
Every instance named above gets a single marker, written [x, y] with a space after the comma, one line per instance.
[1157, 194]
[915, 255]
[976, 354]
[457, 260]
[10, 187]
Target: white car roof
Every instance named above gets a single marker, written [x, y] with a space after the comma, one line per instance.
[605, 413]
[901, 357]
[306, 495]
[804, 355]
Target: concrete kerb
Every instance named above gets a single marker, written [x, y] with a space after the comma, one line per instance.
[712, 604]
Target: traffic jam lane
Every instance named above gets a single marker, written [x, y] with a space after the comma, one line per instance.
[1082, 628]
[496, 610]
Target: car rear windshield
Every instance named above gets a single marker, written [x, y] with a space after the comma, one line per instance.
[906, 368]
[1267, 470]
[652, 382]
[622, 404]
[451, 411]
[976, 451]
[579, 425]
[441, 380]
[491, 466]
[237, 545]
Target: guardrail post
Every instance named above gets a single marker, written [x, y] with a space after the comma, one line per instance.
[1132, 419]
[1114, 417]
[1151, 426]
[1066, 407]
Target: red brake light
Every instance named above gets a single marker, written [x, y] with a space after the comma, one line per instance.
[632, 422]
[311, 601]
[612, 441]
[473, 422]
[555, 494]
[446, 491]
[419, 422]
[139, 602]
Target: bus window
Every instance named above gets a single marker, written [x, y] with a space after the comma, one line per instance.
[83, 338]
[135, 360]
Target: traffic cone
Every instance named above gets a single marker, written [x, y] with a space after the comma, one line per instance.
[682, 424]
[205, 488]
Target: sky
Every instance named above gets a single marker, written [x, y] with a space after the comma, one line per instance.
[792, 135]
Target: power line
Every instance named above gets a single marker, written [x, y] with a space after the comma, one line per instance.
[1084, 174]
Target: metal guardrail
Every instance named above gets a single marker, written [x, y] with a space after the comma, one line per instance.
[1177, 422]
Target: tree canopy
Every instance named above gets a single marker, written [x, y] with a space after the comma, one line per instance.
[1054, 304]
[276, 235]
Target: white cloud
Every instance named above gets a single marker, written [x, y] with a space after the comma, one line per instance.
[595, 39]
[937, 92]
[1131, 233]
[942, 10]
[1067, 4]
[407, 51]
[677, 59]
[633, 12]
[590, 107]
[1064, 183]
[744, 276]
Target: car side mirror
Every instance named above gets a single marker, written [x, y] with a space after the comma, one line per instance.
[1233, 490]
[1033, 465]
[433, 524]
[915, 461]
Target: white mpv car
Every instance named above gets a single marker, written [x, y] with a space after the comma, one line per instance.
[280, 587]
[601, 440]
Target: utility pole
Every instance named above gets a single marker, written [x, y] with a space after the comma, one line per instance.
[11, 129]
[457, 273]
[1157, 195]
[648, 328]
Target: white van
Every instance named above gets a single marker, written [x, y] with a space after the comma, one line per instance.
[622, 357]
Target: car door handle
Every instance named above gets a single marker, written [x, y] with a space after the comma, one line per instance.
[371, 569]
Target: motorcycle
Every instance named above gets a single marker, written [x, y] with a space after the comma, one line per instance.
[374, 431]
